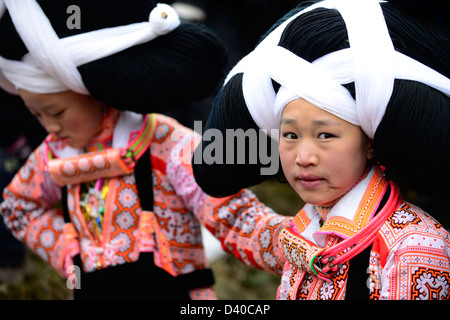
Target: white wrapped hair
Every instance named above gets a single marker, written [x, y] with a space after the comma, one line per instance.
[371, 63]
[51, 64]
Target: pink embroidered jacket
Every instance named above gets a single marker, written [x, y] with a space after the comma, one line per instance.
[32, 211]
[409, 257]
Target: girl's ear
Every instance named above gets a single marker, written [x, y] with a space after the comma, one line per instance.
[370, 151]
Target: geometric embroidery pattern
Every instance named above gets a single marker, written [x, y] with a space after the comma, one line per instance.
[374, 278]
[421, 272]
[333, 290]
[314, 288]
[403, 218]
[125, 220]
[430, 285]
[251, 240]
[297, 250]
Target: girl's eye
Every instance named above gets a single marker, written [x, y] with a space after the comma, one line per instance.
[57, 114]
[289, 135]
[325, 135]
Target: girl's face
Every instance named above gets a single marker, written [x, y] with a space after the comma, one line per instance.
[322, 155]
[68, 115]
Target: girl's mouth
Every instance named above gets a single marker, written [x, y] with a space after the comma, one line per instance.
[310, 181]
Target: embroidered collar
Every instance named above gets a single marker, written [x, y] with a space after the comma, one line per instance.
[75, 166]
[351, 225]
[120, 125]
[349, 215]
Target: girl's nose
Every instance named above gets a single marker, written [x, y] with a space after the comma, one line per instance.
[306, 155]
[51, 126]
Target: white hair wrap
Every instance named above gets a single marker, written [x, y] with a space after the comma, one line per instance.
[51, 64]
[371, 63]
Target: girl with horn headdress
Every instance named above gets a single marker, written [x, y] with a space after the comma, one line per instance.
[100, 198]
[356, 94]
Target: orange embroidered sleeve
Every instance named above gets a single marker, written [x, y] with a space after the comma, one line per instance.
[30, 211]
[416, 265]
[245, 227]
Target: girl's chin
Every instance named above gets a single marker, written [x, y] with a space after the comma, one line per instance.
[316, 199]
[73, 144]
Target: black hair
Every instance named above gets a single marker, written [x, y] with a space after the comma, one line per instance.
[16, 120]
[412, 141]
[413, 138]
[223, 179]
[163, 74]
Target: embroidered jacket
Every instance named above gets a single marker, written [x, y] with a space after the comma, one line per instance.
[172, 231]
[409, 257]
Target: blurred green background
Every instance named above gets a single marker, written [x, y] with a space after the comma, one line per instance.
[234, 280]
